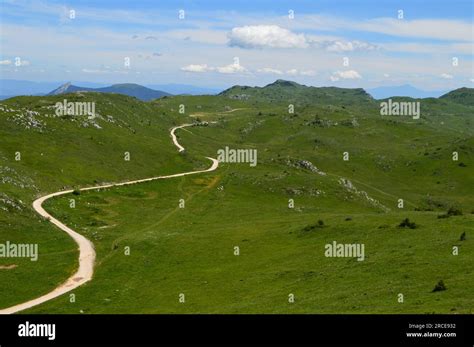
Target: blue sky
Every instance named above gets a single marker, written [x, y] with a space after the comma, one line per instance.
[220, 43]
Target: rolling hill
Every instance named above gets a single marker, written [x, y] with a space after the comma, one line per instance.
[464, 96]
[282, 91]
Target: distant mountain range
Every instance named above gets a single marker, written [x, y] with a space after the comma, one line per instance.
[10, 88]
[130, 89]
[404, 90]
[276, 91]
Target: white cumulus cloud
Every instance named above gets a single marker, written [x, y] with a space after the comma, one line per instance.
[231, 68]
[346, 46]
[270, 70]
[196, 68]
[446, 76]
[292, 72]
[261, 36]
[345, 75]
[308, 73]
[227, 69]
[5, 62]
[274, 36]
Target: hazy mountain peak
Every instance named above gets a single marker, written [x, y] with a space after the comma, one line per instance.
[61, 89]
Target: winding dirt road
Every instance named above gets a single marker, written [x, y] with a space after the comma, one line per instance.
[86, 248]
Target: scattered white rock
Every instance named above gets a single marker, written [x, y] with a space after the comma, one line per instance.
[352, 189]
[7, 203]
[8, 175]
[304, 164]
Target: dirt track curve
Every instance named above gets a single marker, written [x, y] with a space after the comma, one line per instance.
[86, 248]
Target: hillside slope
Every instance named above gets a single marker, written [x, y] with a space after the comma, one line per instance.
[463, 96]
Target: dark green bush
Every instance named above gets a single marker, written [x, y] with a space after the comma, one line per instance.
[439, 287]
[407, 224]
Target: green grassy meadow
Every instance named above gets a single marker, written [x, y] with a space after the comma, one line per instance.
[191, 250]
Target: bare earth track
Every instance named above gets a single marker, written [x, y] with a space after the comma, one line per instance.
[86, 248]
